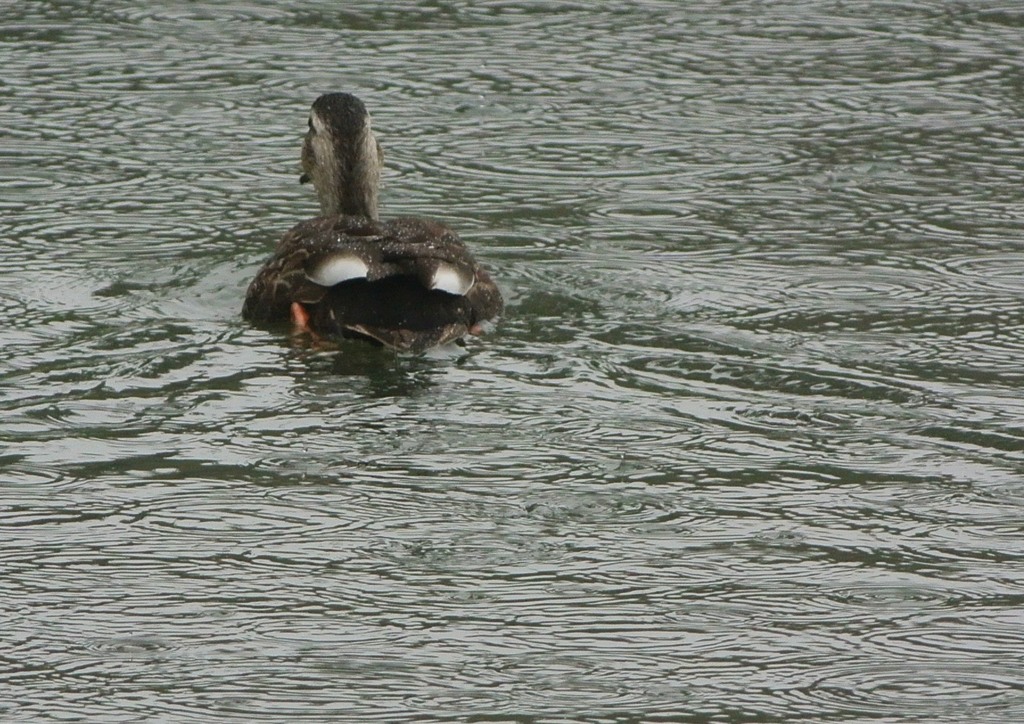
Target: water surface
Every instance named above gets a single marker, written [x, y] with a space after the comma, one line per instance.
[746, 445]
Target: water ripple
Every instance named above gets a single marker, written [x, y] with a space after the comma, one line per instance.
[745, 446]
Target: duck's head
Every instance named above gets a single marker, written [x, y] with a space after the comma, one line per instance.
[341, 156]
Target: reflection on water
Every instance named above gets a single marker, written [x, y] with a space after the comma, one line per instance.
[746, 445]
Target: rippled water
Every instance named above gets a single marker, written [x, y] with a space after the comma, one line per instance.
[747, 445]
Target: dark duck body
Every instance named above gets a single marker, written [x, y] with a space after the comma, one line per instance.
[408, 283]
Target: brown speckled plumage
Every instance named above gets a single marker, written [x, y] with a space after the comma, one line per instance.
[388, 298]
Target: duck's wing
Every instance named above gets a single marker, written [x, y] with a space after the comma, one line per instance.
[409, 284]
[284, 279]
[484, 298]
[423, 250]
[412, 286]
[445, 261]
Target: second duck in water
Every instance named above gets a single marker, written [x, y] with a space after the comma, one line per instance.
[408, 284]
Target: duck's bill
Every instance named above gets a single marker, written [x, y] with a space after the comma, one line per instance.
[304, 178]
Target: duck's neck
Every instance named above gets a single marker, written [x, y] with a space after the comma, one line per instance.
[350, 197]
[349, 186]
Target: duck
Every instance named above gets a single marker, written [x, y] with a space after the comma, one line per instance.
[407, 284]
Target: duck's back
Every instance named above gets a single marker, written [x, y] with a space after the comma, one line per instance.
[407, 283]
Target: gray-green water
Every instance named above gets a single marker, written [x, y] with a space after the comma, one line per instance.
[748, 444]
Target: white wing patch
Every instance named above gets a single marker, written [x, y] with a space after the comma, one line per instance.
[338, 269]
[451, 279]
